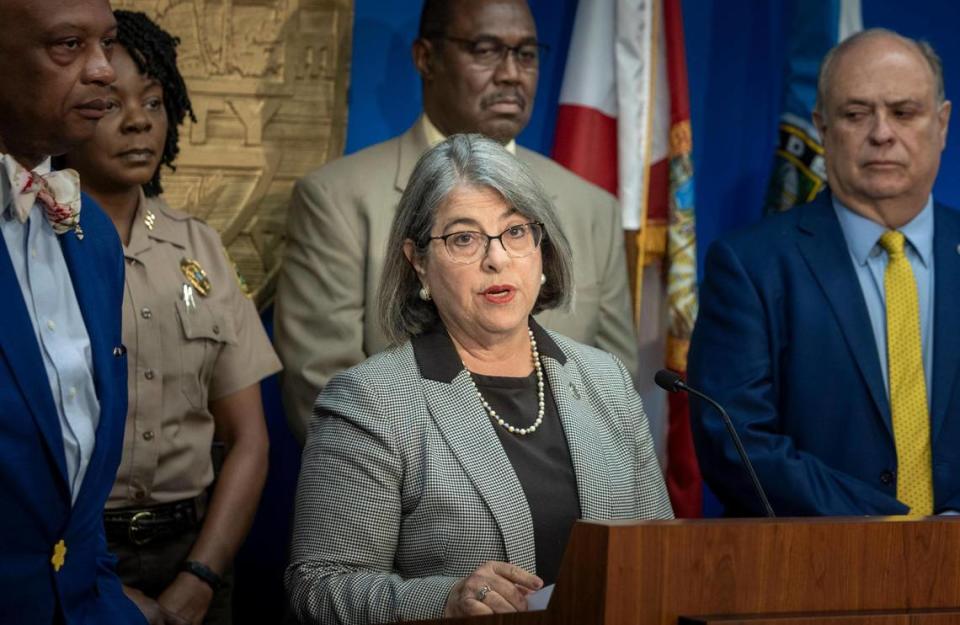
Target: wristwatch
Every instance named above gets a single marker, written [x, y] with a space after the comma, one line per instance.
[204, 572]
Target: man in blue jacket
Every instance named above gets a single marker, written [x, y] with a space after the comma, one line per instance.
[62, 366]
[831, 332]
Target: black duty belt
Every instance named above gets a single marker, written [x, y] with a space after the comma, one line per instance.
[142, 526]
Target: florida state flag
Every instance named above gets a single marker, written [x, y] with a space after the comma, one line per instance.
[624, 124]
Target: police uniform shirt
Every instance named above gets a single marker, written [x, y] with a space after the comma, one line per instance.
[192, 337]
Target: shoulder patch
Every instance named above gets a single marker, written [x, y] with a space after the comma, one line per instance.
[241, 282]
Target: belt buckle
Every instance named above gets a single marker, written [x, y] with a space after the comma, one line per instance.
[143, 515]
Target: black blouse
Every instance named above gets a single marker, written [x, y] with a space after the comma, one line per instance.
[541, 461]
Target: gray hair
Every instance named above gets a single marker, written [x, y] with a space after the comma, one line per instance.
[464, 161]
[925, 49]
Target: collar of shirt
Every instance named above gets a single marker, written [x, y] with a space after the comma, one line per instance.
[438, 360]
[863, 235]
[434, 136]
[6, 184]
[164, 227]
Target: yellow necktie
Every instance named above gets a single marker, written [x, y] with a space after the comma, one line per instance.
[908, 389]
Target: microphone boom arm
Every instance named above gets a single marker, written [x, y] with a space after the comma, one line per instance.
[736, 441]
[671, 382]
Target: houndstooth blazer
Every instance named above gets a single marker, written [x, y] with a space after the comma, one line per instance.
[405, 487]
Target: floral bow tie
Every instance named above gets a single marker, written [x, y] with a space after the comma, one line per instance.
[58, 192]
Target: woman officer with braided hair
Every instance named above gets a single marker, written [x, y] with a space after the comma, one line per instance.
[197, 352]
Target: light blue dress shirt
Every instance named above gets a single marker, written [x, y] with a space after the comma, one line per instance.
[870, 263]
[58, 325]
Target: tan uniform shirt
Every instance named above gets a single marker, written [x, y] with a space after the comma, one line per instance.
[185, 349]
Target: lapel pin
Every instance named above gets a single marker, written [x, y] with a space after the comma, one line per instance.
[59, 555]
[149, 219]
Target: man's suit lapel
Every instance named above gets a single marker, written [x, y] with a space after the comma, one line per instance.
[18, 345]
[946, 313]
[469, 432]
[583, 438]
[412, 145]
[533, 161]
[824, 248]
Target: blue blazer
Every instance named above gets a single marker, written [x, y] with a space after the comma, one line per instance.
[35, 508]
[784, 342]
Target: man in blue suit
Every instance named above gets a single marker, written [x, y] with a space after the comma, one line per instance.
[62, 366]
[835, 351]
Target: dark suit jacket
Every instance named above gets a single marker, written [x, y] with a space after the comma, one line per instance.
[35, 497]
[784, 342]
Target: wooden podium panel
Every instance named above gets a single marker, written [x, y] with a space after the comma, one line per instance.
[923, 617]
[653, 573]
[823, 571]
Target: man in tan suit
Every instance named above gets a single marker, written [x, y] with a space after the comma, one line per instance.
[478, 62]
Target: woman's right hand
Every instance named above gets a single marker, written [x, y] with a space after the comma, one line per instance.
[155, 613]
[495, 587]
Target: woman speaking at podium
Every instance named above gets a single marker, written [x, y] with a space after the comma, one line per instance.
[442, 477]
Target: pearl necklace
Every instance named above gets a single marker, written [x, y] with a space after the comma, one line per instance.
[540, 409]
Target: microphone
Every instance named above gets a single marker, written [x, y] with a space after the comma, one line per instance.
[673, 383]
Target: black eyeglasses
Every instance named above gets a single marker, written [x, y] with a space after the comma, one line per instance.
[490, 51]
[468, 246]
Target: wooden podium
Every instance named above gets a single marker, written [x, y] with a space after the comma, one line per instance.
[824, 571]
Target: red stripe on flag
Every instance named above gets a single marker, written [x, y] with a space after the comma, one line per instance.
[586, 144]
[683, 471]
[676, 61]
[658, 191]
